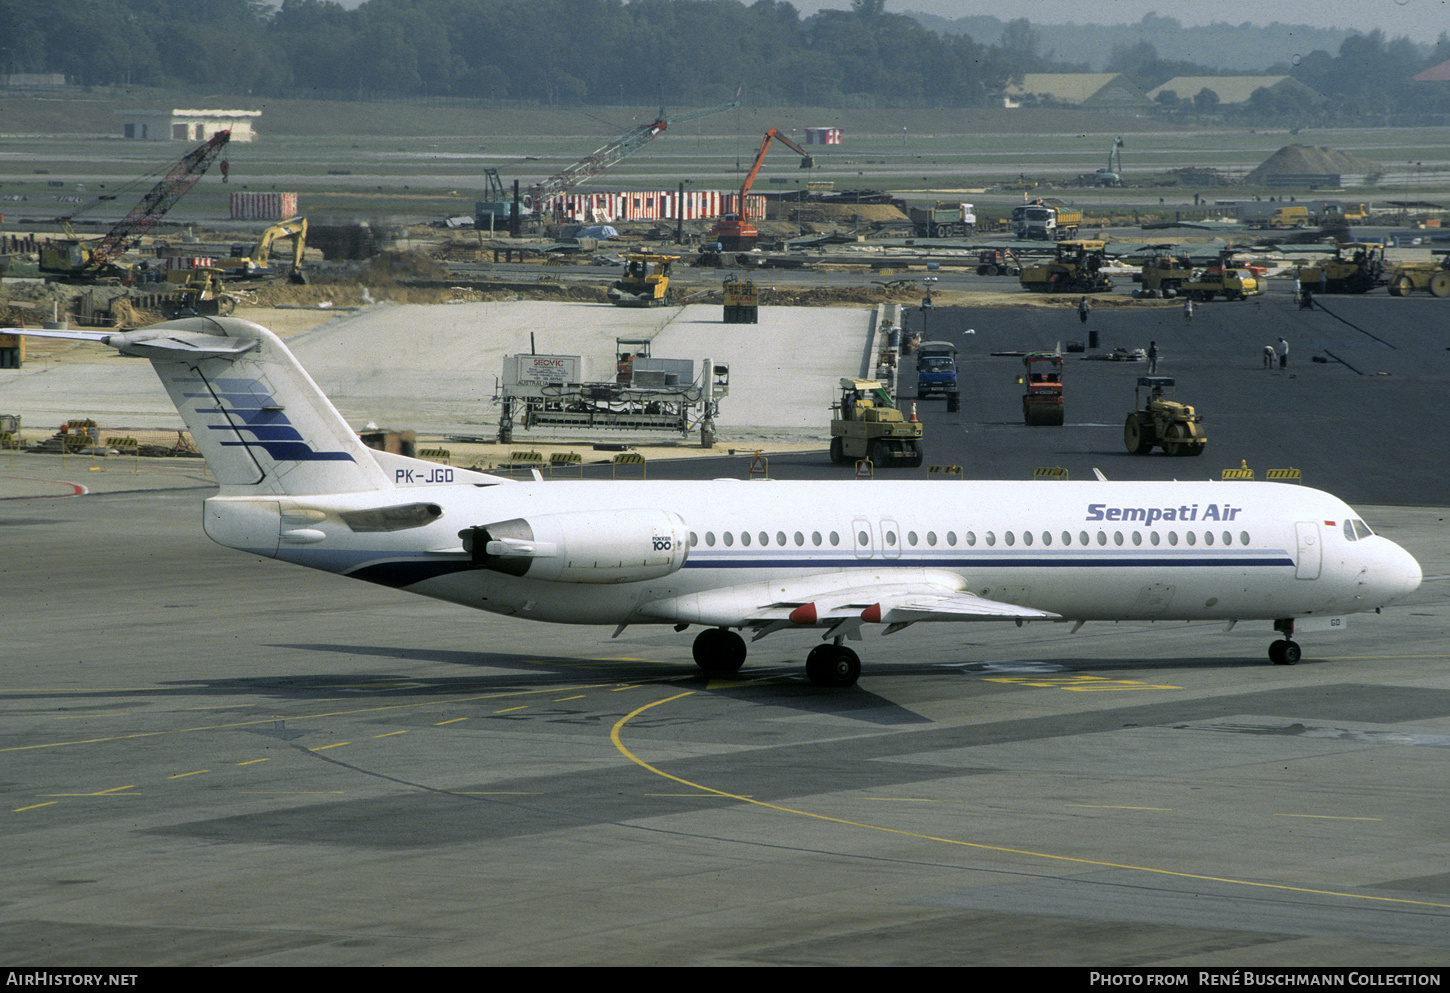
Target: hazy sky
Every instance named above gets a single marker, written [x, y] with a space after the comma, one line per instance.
[1421, 20]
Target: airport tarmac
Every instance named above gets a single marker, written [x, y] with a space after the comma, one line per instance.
[210, 758]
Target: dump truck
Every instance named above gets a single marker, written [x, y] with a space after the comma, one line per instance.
[645, 282]
[1357, 267]
[945, 220]
[1157, 420]
[1046, 219]
[936, 369]
[1042, 402]
[1433, 277]
[742, 301]
[1076, 269]
[866, 424]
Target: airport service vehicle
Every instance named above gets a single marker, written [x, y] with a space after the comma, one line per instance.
[1431, 276]
[936, 369]
[1177, 427]
[1357, 267]
[827, 558]
[867, 424]
[1046, 219]
[645, 282]
[1076, 269]
[1042, 403]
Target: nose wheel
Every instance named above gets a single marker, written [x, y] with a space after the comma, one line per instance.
[1285, 652]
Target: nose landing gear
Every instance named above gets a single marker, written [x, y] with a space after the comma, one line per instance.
[1285, 652]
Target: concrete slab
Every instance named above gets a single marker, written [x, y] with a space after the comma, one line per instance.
[434, 368]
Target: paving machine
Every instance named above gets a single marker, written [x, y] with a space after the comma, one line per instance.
[866, 424]
[1157, 420]
[1357, 267]
[1076, 269]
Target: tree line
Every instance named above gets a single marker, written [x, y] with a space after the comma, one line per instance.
[579, 52]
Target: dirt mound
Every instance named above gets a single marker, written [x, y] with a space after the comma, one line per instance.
[1311, 160]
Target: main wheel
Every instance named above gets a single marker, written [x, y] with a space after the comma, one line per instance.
[880, 454]
[719, 650]
[838, 451]
[1138, 434]
[833, 666]
[1440, 284]
[1403, 286]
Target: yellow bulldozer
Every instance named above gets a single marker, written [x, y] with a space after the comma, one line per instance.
[1159, 421]
[645, 281]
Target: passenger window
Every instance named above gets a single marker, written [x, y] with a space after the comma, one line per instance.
[911, 538]
[1228, 539]
[800, 539]
[1067, 537]
[971, 537]
[780, 538]
[1192, 539]
[729, 539]
[745, 538]
[1243, 537]
[1082, 538]
[1117, 537]
[710, 538]
[1208, 537]
[991, 538]
[863, 539]
[1102, 537]
[1137, 538]
[765, 539]
[1172, 537]
[835, 539]
[931, 538]
[1153, 537]
[816, 538]
[1010, 539]
[891, 538]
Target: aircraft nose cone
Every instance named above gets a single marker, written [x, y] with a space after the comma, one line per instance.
[1401, 575]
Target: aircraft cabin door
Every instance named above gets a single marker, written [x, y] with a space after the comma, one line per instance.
[1311, 552]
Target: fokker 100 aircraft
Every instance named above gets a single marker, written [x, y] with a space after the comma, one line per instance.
[296, 483]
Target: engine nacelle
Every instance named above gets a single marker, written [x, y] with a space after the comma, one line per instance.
[605, 546]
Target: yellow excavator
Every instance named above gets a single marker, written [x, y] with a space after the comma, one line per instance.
[256, 263]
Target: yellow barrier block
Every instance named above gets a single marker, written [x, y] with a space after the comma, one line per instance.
[944, 470]
[1049, 472]
[1284, 475]
[436, 453]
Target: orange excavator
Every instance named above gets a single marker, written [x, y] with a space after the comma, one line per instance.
[734, 232]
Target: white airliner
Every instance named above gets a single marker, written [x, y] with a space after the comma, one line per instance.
[296, 483]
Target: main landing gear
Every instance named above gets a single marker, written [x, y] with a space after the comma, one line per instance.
[720, 650]
[1285, 652]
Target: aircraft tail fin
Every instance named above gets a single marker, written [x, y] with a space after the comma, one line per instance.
[256, 415]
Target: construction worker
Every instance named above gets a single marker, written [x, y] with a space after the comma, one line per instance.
[1283, 352]
[1082, 309]
[1188, 310]
[1152, 357]
[1269, 356]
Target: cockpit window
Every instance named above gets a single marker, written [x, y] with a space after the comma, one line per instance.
[1355, 529]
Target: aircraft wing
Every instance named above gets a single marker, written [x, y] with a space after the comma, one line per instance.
[840, 600]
